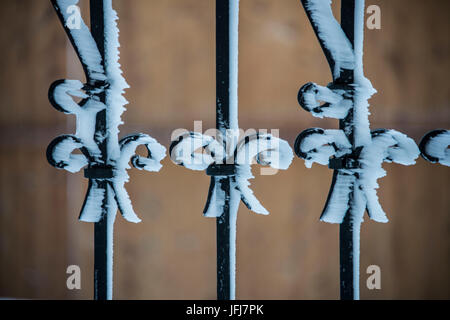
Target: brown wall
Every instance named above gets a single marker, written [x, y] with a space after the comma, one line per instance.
[168, 59]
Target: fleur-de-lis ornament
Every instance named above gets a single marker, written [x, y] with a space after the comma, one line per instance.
[98, 116]
[354, 152]
[227, 159]
[434, 147]
[234, 163]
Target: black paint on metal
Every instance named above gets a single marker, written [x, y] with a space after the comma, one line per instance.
[221, 172]
[346, 228]
[424, 142]
[222, 124]
[101, 244]
[218, 170]
[343, 80]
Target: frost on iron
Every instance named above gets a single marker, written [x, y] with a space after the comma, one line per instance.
[336, 100]
[355, 152]
[333, 38]
[435, 147]
[235, 163]
[107, 159]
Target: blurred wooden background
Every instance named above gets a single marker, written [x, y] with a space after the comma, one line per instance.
[168, 59]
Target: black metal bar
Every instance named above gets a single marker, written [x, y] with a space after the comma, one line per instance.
[347, 284]
[222, 64]
[223, 248]
[348, 82]
[226, 188]
[222, 124]
[102, 269]
[346, 245]
[101, 156]
[101, 259]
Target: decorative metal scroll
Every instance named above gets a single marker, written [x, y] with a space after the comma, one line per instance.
[434, 147]
[98, 116]
[265, 149]
[354, 152]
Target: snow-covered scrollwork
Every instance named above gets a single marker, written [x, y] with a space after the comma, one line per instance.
[435, 147]
[98, 116]
[235, 163]
[357, 170]
[354, 151]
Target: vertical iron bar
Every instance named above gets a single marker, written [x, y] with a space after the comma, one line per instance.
[223, 247]
[102, 236]
[346, 258]
[346, 229]
[222, 124]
